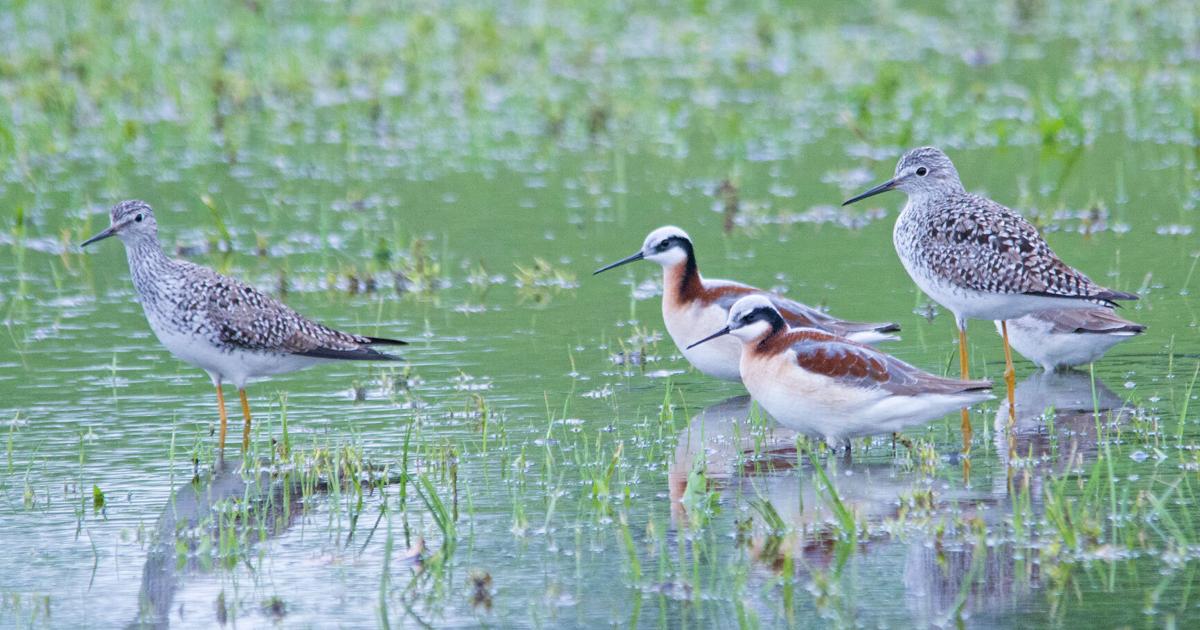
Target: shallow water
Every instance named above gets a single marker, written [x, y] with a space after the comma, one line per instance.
[460, 197]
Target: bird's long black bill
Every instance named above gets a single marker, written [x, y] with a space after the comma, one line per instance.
[628, 259]
[882, 188]
[720, 333]
[100, 237]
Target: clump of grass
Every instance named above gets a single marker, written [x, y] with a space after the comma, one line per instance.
[418, 271]
[540, 281]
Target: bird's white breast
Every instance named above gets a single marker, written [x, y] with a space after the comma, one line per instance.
[691, 323]
[810, 403]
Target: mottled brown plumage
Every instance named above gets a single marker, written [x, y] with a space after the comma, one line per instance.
[229, 329]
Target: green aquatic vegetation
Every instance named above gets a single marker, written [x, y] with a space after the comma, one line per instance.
[418, 270]
[540, 281]
[700, 502]
[431, 147]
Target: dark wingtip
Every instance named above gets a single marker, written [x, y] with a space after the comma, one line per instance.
[888, 327]
[1135, 329]
[359, 354]
[1111, 296]
[384, 341]
[1105, 297]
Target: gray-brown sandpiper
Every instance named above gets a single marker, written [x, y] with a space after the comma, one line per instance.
[978, 258]
[222, 325]
[1063, 339]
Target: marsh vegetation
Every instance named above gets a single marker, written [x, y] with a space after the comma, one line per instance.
[450, 174]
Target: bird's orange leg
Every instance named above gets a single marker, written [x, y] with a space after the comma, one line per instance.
[246, 417]
[224, 418]
[962, 363]
[1010, 378]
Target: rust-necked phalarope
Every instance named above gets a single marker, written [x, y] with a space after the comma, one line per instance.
[831, 387]
[693, 306]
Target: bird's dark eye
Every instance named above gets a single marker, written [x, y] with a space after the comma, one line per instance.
[664, 246]
[922, 171]
[138, 218]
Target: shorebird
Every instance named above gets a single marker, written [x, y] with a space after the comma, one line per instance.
[828, 386]
[693, 306]
[225, 327]
[978, 258]
[1063, 339]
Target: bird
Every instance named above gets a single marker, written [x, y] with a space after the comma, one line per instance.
[692, 305]
[834, 388]
[1062, 339]
[978, 258]
[226, 327]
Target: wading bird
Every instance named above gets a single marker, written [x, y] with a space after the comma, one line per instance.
[1064, 339]
[693, 306]
[221, 325]
[978, 258]
[827, 386]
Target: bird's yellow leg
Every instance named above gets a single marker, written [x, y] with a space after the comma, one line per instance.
[962, 364]
[1010, 378]
[224, 418]
[246, 417]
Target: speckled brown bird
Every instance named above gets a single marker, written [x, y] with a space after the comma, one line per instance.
[976, 257]
[222, 325]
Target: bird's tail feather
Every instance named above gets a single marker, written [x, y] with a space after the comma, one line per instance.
[384, 341]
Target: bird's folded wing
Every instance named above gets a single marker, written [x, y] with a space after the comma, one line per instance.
[1089, 320]
[990, 248]
[247, 318]
[859, 365]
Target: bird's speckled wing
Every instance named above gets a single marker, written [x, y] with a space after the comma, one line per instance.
[860, 365]
[976, 243]
[246, 318]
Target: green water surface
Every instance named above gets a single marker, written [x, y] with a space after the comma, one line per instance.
[450, 174]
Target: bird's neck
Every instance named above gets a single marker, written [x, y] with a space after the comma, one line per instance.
[147, 262]
[924, 198]
[681, 281]
[772, 337]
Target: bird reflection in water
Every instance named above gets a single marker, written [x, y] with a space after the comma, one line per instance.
[919, 537]
[213, 520]
[1057, 416]
[195, 515]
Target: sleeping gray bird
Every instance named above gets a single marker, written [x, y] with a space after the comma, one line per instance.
[1062, 339]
